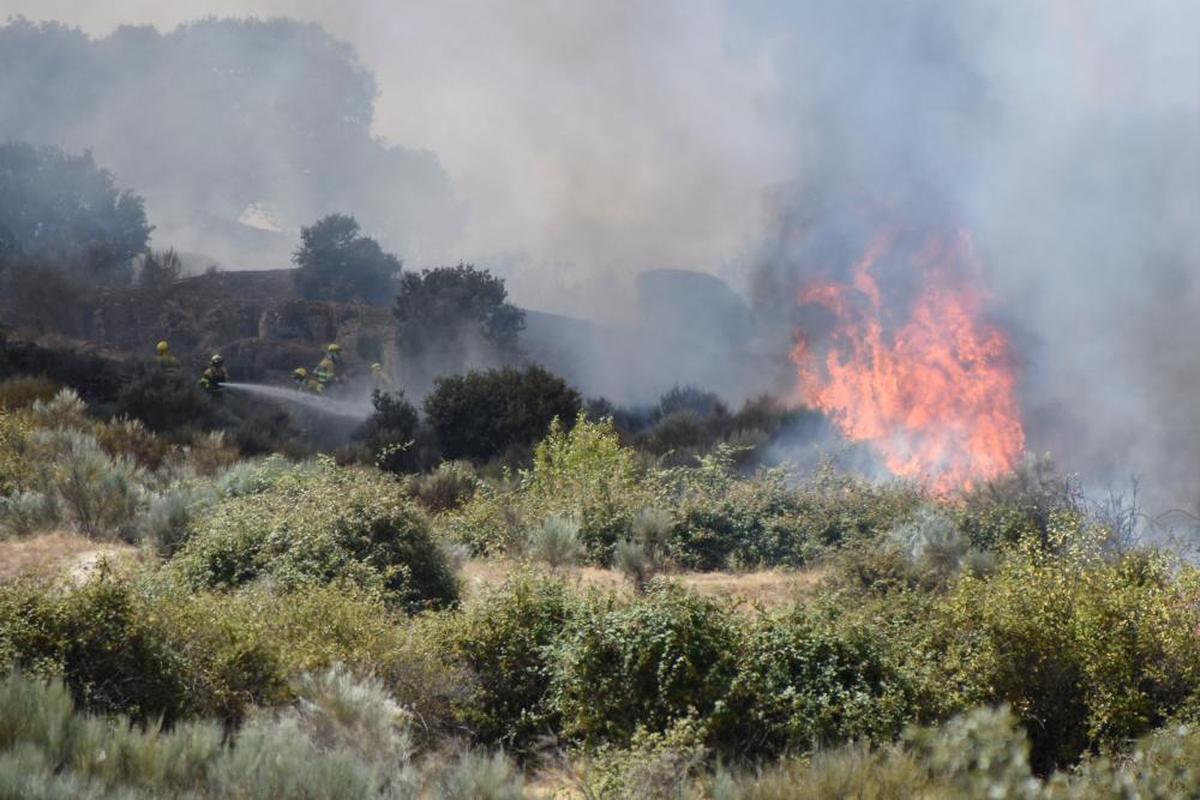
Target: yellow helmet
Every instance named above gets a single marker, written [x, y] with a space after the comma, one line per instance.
[377, 367]
[216, 360]
[300, 372]
[334, 348]
[163, 347]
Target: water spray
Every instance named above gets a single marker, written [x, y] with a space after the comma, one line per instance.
[323, 405]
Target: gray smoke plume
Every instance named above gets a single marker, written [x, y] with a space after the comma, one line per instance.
[584, 143]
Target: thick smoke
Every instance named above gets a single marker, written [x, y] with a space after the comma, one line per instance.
[1066, 137]
[236, 132]
[588, 142]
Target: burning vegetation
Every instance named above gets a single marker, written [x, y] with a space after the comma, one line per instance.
[929, 383]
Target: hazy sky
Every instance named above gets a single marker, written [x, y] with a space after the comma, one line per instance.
[583, 137]
[591, 140]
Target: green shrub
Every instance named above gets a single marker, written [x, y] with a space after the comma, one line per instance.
[1088, 653]
[448, 487]
[1033, 502]
[585, 473]
[480, 415]
[390, 432]
[97, 640]
[98, 494]
[320, 525]
[506, 638]
[27, 512]
[807, 679]
[647, 664]
[723, 520]
[16, 471]
[555, 542]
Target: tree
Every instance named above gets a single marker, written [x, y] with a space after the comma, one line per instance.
[446, 317]
[481, 414]
[63, 209]
[390, 432]
[335, 262]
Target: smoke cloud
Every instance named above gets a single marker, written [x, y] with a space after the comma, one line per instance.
[583, 143]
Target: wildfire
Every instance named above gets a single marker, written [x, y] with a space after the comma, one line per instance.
[932, 391]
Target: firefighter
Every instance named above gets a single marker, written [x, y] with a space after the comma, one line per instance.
[301, 379]
[215, 376]
[167, 362]
[379, 381]
[326, 371]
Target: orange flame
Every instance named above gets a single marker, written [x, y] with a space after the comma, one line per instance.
[934, 395]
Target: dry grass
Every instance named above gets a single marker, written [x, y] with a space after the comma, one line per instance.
[59, 552]
[766, 589]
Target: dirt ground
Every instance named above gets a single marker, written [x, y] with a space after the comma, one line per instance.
[765, 589]
[60, 553]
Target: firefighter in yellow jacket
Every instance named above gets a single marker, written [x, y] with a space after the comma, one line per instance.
[213, 379]
[326, 372]
[167, 362]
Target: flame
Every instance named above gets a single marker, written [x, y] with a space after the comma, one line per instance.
[934, 393]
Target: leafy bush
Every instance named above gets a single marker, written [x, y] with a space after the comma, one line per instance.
[647, 664]
[587, 474]
[16, 473]
[448, 487]
[506, 638]
[95, 638]
[313, 526]
[724, 520]
[480, 415]
[807, 679]
[1031, 502]
[1088, 653]
[389, 433]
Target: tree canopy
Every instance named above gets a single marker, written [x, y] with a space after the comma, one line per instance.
[450, 318]
[335, 262]
[63, 209]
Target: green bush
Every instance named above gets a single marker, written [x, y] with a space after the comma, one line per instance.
[724, 520]
[97, 640]
[344, 739]
[506, 638]
[807, 679]
[1088, 653]
[645, 664]
[585, 473]
[390, 432]
[447, 488]
[480, 415]
[321, 525]
[555, 542]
